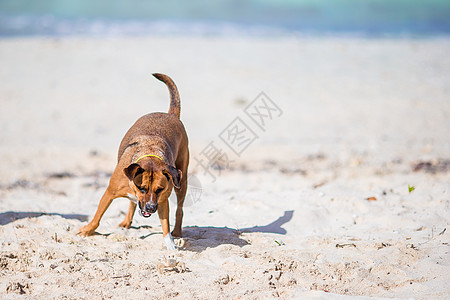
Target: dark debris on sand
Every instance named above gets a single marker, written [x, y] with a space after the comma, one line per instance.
[432, 166]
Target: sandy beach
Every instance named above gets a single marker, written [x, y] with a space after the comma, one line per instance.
[340, 189]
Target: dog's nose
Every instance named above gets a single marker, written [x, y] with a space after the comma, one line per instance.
[151, 208]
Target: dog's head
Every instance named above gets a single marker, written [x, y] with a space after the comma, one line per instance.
[151, 181]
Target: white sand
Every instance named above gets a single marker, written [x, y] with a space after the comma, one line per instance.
[289, 218]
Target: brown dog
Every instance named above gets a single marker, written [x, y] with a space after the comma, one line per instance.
[153, 158]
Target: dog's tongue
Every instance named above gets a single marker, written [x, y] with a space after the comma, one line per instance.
[144, 213]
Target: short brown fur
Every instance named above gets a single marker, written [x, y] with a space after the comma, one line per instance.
[150, 179]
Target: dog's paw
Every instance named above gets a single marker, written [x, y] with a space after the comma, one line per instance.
[86, 230]
[176, 233]
[125, 224]
[168, 241]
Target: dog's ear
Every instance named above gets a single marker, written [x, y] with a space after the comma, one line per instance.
[132, 171]
[174, 175]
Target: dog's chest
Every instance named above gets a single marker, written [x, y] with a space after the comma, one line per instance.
[132, 198]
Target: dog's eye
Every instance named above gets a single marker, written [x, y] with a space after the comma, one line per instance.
[158, 190]
[143, 190]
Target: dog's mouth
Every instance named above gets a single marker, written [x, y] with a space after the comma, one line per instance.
[144, 213]
[147, 210]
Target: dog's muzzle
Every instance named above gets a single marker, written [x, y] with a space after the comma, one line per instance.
[148, 209]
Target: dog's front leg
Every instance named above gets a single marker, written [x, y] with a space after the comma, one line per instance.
[106, 200]
[163, 213]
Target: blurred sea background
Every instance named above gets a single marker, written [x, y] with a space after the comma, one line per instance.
[368, 18]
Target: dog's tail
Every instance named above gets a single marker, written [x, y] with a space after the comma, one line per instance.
[175, 106]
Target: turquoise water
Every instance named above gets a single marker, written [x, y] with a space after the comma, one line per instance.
[225, 17]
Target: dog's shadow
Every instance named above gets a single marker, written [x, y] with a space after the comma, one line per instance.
[197, 238]
[201, 238]
[11, 216]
